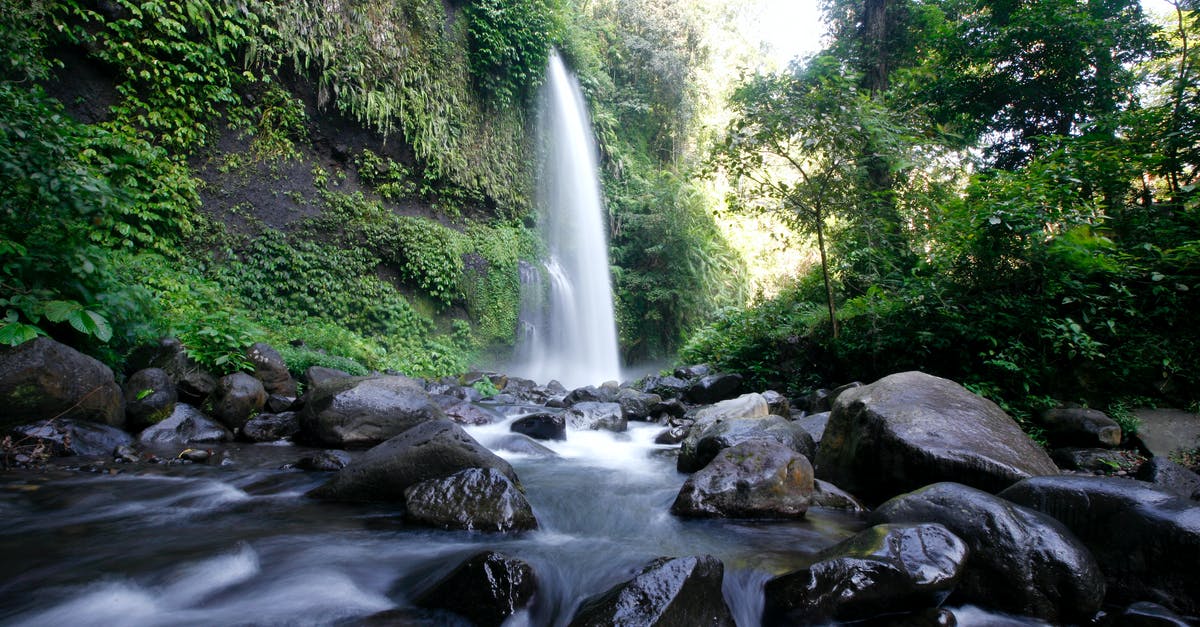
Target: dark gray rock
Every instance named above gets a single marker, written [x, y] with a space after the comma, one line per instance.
[637, 405]
[465, 413]
[666, 387]
[735, 421]
[671, 407]
[1171, 477]
[430, 450]
[477, 499]
[270, 368]
[1089, 459]
[1147, 614]
[673, 435]
[272, 427]
[714, 388]
[911, 429]
[316, 375]
[67, 436]
[886, 569]
[1146, 540]
[487, 588]
[193, 383]
[364, 411]
[777, 403]
[596, 416]
[815, 425]
[590, 394]
[237, 397]
[1079, 427]
[42, 379]
[541, 426]
[693, 372]
[754, 479]
[325, 461]
[666, 592]
[277, 404]
[185, 425]
[1022, 561]
[817, 401]
[523, 444]
[829, 496]
[149, 397]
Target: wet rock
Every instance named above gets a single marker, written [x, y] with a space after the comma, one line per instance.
[596, 417]
[673, 435]
[667, 591]
[1089, 459]
[465, 413]
[42, 379]
[316, 375]
[185, 425]
[325, 461]
[487, 588]
[637, 405]
[149, 397]
[886, 569]
[693, 372]
[1171, 477]
[714, 388]
[817, 401]
[815, 425]
[193, 383]
[666, 387]
[589, 394]
[541, 426]
[1164, 431]
[671, 407]
[911, 429]
[829, 496]
[127, 453]
[754, 479]
[1022, 561]
[277, 404]
[478, 499]
[523, 444]
[777, 403]
[1146, 614]
[237, 397]
[270, 368]
[67, 436]
[195, 455]
[732, 422]
[1079, 427]
[430, 450]
[364, 411]
[272, 427]
[1146, 540]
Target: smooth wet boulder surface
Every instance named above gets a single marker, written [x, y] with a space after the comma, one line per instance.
[829, 496]
[364, 411]
[814, 424]
[541, 426]
[1089, 459]
[1147, 614]
[666, 387]
[1171, 477]
[42, 379]
[270, 368]
[316, 375]
[519, 443]
[237, 397]
[465, 413]
[754, 479]
[714, 388]
[745, 406]
[911, 429]
[1022, 561]
[1079, 427]
[487, 588]
[192, 382]
[149, 397]
[704, 442]
[591, 416]
[430, 450]
[185, 425]
[477, 499]
[325, 461]
[66, 436]
[636, 405]
[272, 427]
[667, 591]
[1146, 540]
[886, 569]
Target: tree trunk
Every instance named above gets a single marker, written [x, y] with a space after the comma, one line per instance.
[825, 273]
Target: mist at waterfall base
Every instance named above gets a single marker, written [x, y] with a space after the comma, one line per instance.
[567, 328]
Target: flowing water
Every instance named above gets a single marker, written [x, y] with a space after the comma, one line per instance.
[568, 328]
[238, 544]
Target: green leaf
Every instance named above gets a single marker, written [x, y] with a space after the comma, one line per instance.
[15, 333]
[144, 393]
[59, 310]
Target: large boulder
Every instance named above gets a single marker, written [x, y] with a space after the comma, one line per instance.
[192, 382]
[754, 479]
[714, 388]
[886, 569]
[636, 405]
[364, 411]
[465, 413]
[185, 425]
[704, 442]
[480, 499]
[487, 588]
[149, 397]
[1171, 477]
[521, 444]
[911, 429]
[745, 406]
[541, 426]
[829, 496]
[1146, 540]
[316, 375]
[237, 397]
[814, 424]
[667, 591]
[1090, 459]
[270, 368]
[67, 436]
[1079, 427]
[42, 379]
[272, 427]
[666, 387]
[430, 450]
[585, 416]
[1022, 561]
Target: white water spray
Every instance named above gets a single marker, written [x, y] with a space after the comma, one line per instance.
[568, 329]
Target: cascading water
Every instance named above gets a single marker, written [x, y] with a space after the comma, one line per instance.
[568, 328]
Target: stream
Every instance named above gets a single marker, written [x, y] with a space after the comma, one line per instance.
[236, 542]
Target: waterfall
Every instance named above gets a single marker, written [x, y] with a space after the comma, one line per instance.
[568, 331]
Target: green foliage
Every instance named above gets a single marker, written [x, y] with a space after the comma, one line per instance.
[509, 44]
[1121, 412]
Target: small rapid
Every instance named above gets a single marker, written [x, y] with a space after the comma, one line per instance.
[241, 544]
